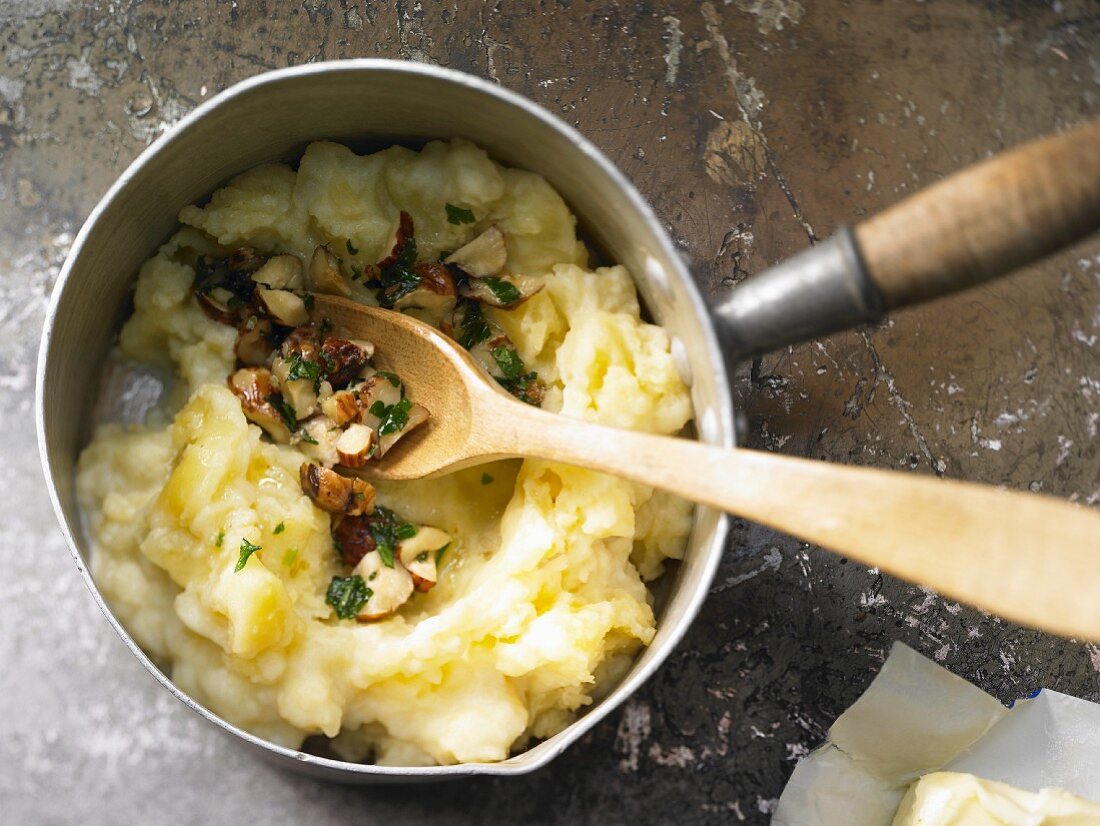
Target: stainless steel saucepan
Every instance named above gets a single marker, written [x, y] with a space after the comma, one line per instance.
[273, 117]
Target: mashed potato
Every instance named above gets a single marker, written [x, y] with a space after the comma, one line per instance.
[541, 597]
[958, 799]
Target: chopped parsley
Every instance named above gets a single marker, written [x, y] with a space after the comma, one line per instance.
[387, 529]
[440, 552]
[390, 377]
[301, 368]
[219, 539]
[527, 388]
[290, 556]
[286, 412]
[505, 291]
[509, 362]
[247, 549]
[398, 279]
[279, 528]
[473, 328]
[356, 273]
[305, 437]
[392, 417]
[352, 249]
[524, 386]
[347, 595]
[458, 215]
[486, 479]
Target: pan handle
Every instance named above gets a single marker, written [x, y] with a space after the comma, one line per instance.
[978, 224]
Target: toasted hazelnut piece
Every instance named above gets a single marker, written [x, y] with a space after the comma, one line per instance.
[354, 538]
[253, 386]
[378, 388]
[344, 359]
[485, 255]
[323, 433]
[283, 272]
[254, 346]
[244, 259]
[355, 445]
[418, 414]
[505, 292]
[304, 341]
[342, 407]
[335, 493]
[217, 304]
[436, 292]
[283, 307]
[300, 395]
[418, 552]
[399, 240]
[390, 587]
[324, 273]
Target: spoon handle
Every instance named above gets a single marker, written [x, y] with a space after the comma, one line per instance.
[1030, 558]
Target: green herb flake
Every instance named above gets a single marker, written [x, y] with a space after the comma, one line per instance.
[440, 552]
[486, 479]
[388, 530]
[302, 368]
[458, 215]
[352, 249]
[347, 595]
[286, 412]
[305, 437]
[390, 377]
[508, 360]
[279, 528]
[398, 279]
[473, 329]
[247, 549]
[504, 291]
[290, 556]
[219, 539]
[392, 417]
[356, 273]
[527, 388]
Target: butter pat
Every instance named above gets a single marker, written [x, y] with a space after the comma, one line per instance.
[953, 799]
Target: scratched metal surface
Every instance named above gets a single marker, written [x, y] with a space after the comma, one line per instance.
[754, 126]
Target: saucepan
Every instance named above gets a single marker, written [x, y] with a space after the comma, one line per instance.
[272, 117]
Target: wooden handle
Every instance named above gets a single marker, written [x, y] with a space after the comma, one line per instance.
[987, 220]
[1026, 557]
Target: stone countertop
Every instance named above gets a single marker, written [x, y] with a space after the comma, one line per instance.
[755, 127]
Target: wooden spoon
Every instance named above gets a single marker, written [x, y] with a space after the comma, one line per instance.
[1029, 558]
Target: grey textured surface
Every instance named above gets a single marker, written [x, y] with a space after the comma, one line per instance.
[754, 126]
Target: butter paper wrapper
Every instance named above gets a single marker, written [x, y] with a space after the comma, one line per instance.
[916, 718]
